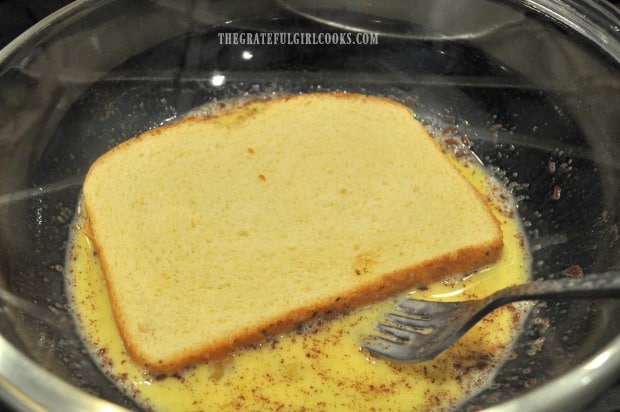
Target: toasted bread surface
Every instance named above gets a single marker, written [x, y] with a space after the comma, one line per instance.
[216, 232]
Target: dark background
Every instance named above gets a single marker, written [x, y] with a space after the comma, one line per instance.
[16, 16]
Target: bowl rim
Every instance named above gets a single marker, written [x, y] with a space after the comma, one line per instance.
[596, 20]
[36, 31]
[27, 386]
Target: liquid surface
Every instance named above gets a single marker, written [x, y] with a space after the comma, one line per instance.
[321, 366]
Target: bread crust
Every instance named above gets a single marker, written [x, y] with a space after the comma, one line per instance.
[429, 272]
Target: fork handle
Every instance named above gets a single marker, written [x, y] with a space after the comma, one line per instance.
[593, 285]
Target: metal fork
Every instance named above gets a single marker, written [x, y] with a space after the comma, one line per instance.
[423, 329]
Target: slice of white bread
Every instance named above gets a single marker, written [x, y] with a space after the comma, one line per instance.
[215, 232]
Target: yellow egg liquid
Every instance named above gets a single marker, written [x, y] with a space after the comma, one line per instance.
[319, 367]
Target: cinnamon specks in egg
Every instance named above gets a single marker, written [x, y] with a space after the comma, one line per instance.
[573, 271]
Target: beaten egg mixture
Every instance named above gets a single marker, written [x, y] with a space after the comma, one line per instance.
[320, 366]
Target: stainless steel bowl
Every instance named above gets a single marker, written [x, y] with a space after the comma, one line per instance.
[534, 84]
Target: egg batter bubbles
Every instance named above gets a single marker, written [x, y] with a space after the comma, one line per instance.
[318, 366]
